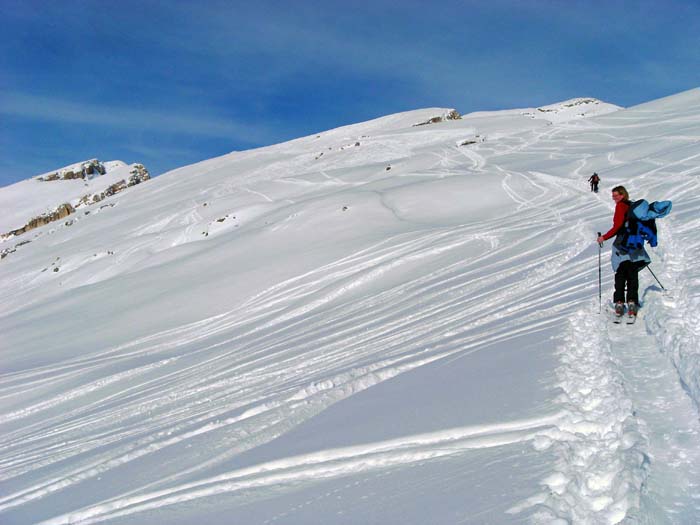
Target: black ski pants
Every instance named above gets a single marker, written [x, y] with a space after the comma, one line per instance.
[627, 276]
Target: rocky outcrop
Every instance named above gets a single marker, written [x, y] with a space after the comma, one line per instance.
[7, 251]
[450, 115]
[138, 174]
[476, 139]
[78, 171]
[64, 210]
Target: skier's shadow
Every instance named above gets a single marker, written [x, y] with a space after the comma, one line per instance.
[650, 288]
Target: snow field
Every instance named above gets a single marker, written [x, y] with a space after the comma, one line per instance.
[362, 345]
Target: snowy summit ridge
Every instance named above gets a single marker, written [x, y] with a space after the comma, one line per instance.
[379, 323]
[560, 112]
[574, 108]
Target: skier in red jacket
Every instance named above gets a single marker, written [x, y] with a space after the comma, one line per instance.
[626, 263]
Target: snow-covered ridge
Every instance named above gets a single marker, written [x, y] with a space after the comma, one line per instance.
[572, 109]
[54, 195]
[575, 108]
[568, 110]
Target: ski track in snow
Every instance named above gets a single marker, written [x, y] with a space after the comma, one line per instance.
[241, 378]
[380, 323]
[391, 332]
[320, 465]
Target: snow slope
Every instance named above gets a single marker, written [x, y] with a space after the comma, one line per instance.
[382, 323]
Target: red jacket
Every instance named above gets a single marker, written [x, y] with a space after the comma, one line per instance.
[618, 219]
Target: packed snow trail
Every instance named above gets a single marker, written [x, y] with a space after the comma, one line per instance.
[631, 446]
[601, 466]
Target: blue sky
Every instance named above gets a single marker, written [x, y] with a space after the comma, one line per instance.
[169, 83]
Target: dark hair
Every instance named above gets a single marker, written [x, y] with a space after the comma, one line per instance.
[622, 191]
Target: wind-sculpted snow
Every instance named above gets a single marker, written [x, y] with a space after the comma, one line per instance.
[674, 319]
[376, 324]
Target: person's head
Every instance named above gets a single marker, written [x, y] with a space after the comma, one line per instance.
[619, 193]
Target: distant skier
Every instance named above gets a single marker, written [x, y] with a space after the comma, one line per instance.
[626, 262]
[594, 180]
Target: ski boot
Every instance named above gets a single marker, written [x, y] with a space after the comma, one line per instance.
[619, 308]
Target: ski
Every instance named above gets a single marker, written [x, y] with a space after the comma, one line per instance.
[631, 319]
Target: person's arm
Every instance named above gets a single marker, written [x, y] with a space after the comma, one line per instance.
[618, 222]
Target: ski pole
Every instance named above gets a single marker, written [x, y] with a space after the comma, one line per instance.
[657, 279]
[600, 286]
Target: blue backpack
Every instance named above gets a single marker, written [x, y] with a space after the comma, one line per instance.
[640, 223]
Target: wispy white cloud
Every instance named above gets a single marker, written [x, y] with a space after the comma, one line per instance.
[59, 110]
[264, 50]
